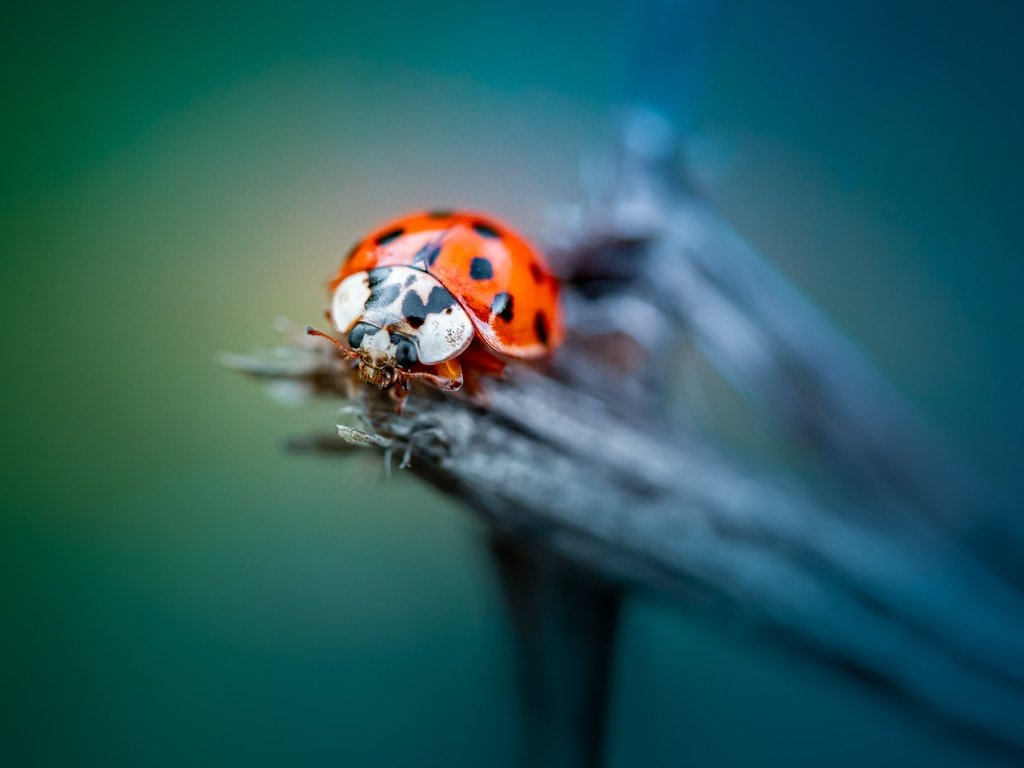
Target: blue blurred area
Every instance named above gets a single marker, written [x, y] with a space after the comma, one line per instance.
[177, 590]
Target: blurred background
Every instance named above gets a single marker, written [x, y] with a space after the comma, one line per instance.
[177, 590]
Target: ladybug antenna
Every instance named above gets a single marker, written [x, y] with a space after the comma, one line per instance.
[341, 347]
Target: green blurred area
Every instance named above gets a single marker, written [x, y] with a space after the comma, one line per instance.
[178, 590]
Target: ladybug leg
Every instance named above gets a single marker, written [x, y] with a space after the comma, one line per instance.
[447, 376]
[399, 392]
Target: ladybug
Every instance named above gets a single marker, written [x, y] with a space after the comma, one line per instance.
[431, 295]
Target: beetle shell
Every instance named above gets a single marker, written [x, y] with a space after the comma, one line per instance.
[503, 284]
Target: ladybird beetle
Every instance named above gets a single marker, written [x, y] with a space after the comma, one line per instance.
[431, 295]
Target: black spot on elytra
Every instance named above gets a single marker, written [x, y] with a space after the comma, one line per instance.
[502, 306]
[540, 325]
[390, 235]
[485, 230]
[441, 213]
[536, 272]
[426, 255]
[416, 311]
[480, 268]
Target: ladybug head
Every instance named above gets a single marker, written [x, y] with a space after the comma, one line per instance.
[394, 319]
[381, 353]
[381, 356]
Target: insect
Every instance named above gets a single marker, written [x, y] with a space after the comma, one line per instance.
[442, 297]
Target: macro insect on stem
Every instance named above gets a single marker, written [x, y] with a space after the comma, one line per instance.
[433, 295]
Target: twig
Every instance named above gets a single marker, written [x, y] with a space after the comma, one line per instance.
[582, 460]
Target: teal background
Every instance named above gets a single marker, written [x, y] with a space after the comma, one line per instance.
[176, 590]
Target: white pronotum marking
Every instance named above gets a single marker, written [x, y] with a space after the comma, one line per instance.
[348, 301]
[445, 332]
